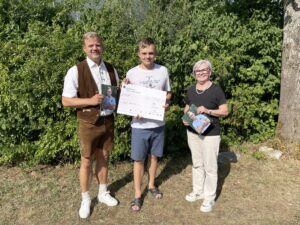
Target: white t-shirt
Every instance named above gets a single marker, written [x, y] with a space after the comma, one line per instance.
[157, 78]
[100, 75]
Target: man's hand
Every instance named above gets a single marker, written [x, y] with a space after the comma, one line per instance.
[125, 81]
[138, 117]
[167, 107]
[96, 99]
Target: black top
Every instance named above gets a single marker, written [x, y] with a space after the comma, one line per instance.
[211, 99]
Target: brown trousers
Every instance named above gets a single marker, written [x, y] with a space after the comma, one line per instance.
[95, 137]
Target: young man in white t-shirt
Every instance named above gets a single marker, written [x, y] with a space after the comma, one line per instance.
[147, 139]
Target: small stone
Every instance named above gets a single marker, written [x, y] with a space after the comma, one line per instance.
[33, 173]
[272, 153]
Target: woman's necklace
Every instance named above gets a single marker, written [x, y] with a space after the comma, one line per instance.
[202, 91]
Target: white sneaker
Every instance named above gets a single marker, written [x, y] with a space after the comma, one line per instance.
[85, 209]
[191, 197]
[107, 199]
[207, 206]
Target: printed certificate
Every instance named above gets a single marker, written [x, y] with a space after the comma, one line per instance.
[145, 102]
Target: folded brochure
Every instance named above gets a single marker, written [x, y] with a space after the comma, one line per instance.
[198, 122]
[110, 97]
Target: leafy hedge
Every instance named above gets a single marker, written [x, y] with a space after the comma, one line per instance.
[41, 40]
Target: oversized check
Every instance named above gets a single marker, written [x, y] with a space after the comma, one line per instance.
[145, 102]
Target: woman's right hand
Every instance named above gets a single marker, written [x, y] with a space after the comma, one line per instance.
[185, 123]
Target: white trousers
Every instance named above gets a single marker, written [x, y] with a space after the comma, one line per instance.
[205, 150]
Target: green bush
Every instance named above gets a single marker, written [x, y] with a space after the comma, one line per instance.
[41, 40]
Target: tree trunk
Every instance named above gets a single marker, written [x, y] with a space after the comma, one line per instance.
[289, 108]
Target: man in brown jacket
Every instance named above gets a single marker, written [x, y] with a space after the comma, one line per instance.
[83, 91]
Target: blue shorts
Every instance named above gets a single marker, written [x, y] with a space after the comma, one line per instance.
[147, 142]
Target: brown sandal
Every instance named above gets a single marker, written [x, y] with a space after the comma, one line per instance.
[136, 204]
[156, 193]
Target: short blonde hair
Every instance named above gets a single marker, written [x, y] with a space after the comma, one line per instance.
[145, 42]
[91, 35]
[200, 62]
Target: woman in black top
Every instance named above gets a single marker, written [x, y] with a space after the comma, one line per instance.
[210, 101]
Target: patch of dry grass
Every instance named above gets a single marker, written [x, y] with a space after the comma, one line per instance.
[291, 150]
[251, 192]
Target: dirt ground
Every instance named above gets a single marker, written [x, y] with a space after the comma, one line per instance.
[250, 191]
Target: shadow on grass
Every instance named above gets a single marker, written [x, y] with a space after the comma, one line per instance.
[114, 187]
[118, 184]
[175, 164]
[224, 161]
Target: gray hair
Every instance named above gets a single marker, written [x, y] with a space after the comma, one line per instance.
[91, 35]
[200, 62]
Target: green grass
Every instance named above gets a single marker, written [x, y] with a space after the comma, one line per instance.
[251, 192]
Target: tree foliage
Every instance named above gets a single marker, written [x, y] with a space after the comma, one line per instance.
[41, 40]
